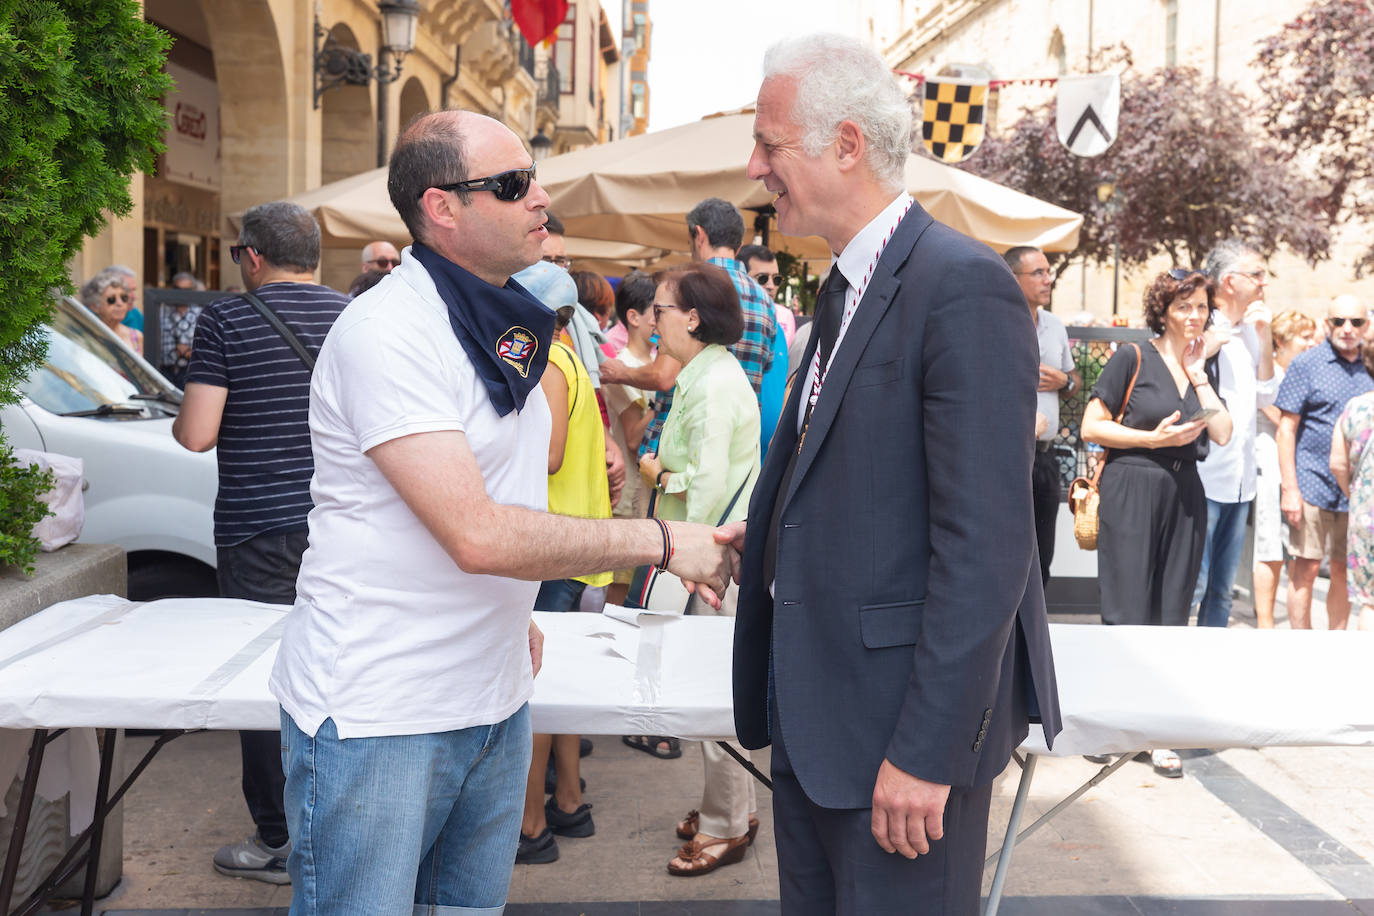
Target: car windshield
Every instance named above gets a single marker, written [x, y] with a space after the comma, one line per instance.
[89, 369]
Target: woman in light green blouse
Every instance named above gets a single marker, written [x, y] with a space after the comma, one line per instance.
[707, 462]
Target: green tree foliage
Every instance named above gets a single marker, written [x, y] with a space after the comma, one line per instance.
[1185, 171]
[80, 111]
[1316, 87]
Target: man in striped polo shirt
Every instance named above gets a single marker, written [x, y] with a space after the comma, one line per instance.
[248, 392]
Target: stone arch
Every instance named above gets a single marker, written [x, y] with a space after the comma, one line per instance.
[348, 123]
[254, 143]
[414, 101]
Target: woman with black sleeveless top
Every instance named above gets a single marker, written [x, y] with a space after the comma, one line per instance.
[1153, 514]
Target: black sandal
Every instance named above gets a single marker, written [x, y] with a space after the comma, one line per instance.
[649, 744]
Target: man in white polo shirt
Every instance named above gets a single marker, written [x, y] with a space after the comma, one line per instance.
[406, 664]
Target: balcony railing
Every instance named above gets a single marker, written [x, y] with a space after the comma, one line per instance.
[548, 86]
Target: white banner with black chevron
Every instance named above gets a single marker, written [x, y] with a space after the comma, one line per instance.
[1087, 111]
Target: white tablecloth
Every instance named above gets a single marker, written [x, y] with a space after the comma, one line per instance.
[203, 663]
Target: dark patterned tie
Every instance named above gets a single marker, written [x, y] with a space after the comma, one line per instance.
[829, 315]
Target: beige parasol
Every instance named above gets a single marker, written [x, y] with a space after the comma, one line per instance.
[625, 203]
[640, 189]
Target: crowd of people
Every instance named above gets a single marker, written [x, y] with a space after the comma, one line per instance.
[701, 448]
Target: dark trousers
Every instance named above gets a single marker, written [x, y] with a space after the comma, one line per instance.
[1152, 528]
[263, 568]
[830, 865]
[1045, 498]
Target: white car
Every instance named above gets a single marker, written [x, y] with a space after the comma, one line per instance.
[95, 399]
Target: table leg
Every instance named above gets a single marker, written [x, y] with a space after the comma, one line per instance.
[21, 818]
[102, 793]
[1009, 841]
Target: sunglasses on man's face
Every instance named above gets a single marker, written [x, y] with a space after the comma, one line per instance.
[386, 262]
[508, 186]
[764, 278]
[1354, 322]
[236, 251]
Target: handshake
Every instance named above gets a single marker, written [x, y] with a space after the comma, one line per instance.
[706, 559]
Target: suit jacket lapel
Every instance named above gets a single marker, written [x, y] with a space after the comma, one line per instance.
[878, 297]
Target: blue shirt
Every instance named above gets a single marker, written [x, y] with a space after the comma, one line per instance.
[754, 350]
[1318, 385]
[265, 463]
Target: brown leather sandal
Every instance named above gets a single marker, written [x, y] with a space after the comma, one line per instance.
[700, 862]
[688, 826]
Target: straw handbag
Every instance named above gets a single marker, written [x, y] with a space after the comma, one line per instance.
[1084, 496]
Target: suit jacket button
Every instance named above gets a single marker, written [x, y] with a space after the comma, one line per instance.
[977, 745]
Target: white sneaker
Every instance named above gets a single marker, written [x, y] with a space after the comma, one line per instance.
[254, 859]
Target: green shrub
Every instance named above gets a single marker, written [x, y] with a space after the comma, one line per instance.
[20, 510]
[80, 111]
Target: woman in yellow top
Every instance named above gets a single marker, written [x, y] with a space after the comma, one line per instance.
[577, 486]
[707, 461]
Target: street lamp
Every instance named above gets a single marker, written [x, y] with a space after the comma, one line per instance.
[1107, 196]
[540, 146]
[336, 65]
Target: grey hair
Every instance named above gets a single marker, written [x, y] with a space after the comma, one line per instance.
[92, 288]
[720, 220]
[1224, 257]
[125, 272]
[841, 79]
[285, 234]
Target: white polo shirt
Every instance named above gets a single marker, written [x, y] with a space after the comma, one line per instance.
[388, 636]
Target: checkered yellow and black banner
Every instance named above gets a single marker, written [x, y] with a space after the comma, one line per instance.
[952, 118]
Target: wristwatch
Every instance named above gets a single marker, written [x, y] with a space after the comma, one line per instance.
[1071, 385]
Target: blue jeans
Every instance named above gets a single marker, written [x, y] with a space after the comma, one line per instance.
[1220, 559]
[405, 824]
[559, 595]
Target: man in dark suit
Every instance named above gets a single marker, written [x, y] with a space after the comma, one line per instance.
[891, 642]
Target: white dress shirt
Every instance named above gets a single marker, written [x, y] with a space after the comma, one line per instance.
[853, 264]
[1228, 472]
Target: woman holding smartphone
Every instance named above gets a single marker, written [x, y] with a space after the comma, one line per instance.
[1153, 513]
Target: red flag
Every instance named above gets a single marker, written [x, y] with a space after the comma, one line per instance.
[538, 19]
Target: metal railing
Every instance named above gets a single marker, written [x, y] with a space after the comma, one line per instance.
[1091, 348]
[548, 85]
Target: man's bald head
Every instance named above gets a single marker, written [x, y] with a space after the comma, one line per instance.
[380, 257]
[433, 151]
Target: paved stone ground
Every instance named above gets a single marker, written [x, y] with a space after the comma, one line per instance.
[1271, 832]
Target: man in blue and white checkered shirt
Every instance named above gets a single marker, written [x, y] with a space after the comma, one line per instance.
[716, 230]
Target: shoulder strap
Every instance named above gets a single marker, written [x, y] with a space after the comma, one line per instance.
[733, 499]
[1121, 414]
[576, 381]
[294, 342]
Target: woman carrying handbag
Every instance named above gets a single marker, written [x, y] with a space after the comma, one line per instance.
[1153, 513]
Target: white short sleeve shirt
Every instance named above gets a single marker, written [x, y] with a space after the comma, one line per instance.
[388, 636]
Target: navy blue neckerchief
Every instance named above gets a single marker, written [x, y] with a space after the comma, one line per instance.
[504, 330]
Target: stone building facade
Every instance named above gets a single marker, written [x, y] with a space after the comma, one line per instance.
[247, 123]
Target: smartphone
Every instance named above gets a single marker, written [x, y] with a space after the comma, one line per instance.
[1203, 413]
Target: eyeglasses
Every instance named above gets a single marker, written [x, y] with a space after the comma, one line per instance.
[558, 260]
[1256, 275]
[508, 186]
[1040, 273]
[1183, 273]
[386, 262]
[112, 299]
[659, 309]
[763, 279]
[1354, 322]
[236, 251]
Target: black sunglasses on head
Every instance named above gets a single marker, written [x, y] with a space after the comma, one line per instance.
[1183, 273]
[508, 186]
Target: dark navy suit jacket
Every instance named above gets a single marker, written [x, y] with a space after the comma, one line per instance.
[908, 620]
